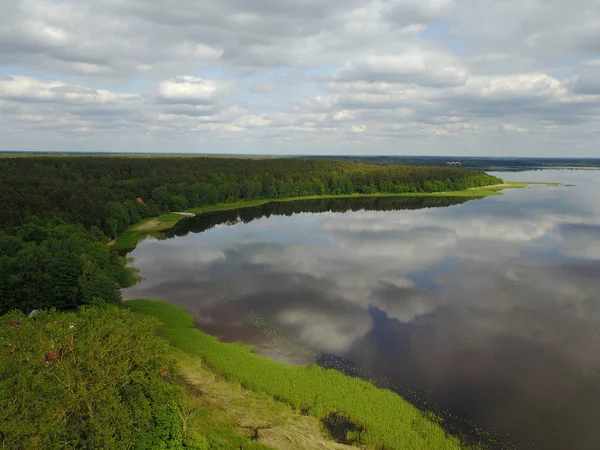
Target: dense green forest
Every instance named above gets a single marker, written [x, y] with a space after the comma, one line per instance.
[103, 192]
[49, 263]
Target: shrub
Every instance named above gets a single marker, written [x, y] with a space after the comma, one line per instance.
[95, 378]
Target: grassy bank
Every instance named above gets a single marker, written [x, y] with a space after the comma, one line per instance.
[232, 417]
[351, 409]
[129, 239]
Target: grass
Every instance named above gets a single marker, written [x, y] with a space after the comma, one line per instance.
[149, 226]
[387, 420]
[126, 240]
[129, 239]
[229, 415]
[160, 223]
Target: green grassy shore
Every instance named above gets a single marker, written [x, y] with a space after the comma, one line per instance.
[129, 239]
[289, 399]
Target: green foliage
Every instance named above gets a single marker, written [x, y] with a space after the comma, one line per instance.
[196, 441]
[341, 428]
[103, 191]
[355, 408]
[95, 378]
[48, 263]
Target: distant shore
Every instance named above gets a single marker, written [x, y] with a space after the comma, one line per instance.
[151, 225]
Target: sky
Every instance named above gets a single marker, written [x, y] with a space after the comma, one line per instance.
[361, 77]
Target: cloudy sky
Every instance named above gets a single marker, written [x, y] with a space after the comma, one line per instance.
[436, 77]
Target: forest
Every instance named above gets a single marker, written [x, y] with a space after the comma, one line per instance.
[52, 264]
[100, 370]
[111, 193]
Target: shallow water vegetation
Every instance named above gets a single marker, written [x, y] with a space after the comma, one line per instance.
[357, 411]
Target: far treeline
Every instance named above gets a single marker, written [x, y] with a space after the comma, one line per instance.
[111, 193]
[504, 164]
[208, 220]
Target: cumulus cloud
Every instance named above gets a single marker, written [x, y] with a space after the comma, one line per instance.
[30, 90]
[539, 28]
[332, 75]
[193, 90]
[433, 69]
[585, 79]
[415, 11]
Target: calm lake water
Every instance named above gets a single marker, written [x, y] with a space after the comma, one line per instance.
[486, 310]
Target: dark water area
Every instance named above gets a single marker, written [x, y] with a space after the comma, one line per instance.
[488, 309]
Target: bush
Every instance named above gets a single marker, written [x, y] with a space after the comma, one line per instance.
[95, 378]
[51, 264]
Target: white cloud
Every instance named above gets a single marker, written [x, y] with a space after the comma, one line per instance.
[537, 28]
[422, 67]
[333, 75]
[585, 79]
[193, 90]
[27, 89]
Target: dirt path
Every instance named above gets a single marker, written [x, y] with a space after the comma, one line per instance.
[148, 225]
[256, 415]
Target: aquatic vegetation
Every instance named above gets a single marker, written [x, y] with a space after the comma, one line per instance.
[369, 415]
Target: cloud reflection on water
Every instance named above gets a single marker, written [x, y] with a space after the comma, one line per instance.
[492, 306]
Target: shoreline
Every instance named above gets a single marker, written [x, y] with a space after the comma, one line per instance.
[381, 418]
[129, 239]
[203, 357]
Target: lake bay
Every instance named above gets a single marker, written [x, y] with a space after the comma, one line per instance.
[485, 310]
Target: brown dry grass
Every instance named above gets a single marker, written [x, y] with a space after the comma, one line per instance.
[148, 225]
[229, 404]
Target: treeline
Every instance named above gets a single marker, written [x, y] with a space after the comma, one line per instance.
[208, 220]
[111, 193]
[470, 162]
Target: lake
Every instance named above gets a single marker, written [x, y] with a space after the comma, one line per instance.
[486, 311]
